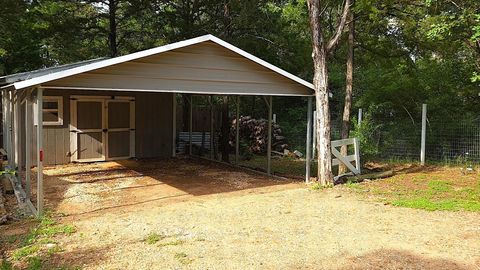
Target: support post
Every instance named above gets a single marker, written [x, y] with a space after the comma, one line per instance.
[269, 144]
[39, 151]
[314, 143]
[360, 116]
[9, 128]
[4, 118]
[17, 131]
[424, 134]
[356, 146]
[28, 145]
[237, 131]
[212, 133]
[309, 141]
[190, 125]
[174, 125]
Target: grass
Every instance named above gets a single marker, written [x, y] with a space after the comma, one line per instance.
[153, 238]
[182, 257]
[175, 242]
[435, 189]
[33, 248]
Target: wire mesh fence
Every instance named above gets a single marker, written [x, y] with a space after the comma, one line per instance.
[451, 140]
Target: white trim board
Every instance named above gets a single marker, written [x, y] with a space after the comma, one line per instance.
[122, 59]
[253, 93]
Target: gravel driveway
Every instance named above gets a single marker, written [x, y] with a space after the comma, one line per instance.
[228, 219]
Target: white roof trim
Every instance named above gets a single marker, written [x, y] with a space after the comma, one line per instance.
[129, 57]
[170, 91]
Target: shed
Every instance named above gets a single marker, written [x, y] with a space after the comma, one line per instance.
[124, 107]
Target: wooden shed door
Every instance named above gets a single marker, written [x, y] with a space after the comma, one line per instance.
[120, 128]
[102, 128]
[87, 130]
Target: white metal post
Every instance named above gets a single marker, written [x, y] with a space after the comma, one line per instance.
[360, 116]
[17, 131]
[424, 134]
[4, 118]
[39, 151]
[28, 145]
[269, 145]
[9, 128]
[237, 130]
[309, 141]
[356, 145]
[190, 126]
[174, 125]
[212, 133]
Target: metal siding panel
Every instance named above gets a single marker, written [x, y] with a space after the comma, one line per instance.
[116, 82]
[204, 67]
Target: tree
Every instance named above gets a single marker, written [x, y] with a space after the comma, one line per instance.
[321, 49]
[347, 107]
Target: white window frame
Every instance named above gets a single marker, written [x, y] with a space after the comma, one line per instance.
[59, 111]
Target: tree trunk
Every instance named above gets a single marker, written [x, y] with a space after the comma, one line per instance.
[112, 35]
[225, 131]
[345, 133]
[320, 83]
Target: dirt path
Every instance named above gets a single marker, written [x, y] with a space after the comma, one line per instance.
[276, 226]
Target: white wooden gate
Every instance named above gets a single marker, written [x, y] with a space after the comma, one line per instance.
[348, 159]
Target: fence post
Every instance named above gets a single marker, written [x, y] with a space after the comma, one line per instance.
[308, 159]
[360, 116]
[424, 134]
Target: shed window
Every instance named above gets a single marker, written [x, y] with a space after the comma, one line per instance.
[52, 111]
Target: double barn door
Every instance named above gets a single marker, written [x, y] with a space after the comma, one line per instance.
[102, 128]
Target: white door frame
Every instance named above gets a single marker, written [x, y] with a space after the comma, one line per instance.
[104, 101]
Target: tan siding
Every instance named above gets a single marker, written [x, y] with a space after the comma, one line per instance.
[153, 126]
[201, 68]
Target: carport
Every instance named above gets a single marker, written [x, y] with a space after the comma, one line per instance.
[124, 107]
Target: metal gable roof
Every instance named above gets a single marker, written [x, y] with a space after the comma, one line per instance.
[67, 71]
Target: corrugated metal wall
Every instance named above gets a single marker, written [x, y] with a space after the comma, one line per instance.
[153, 117]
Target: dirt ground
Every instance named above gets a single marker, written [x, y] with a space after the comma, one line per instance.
[208, 216]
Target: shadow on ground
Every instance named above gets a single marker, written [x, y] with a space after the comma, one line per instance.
[78, 189]
[400, 259]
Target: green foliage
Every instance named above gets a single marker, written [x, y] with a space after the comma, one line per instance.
[34, 263]
[318, 186]
[175, 242]
[153, 238]
[25, 252]
[182, 257]
[6, 265]
[365, 132]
